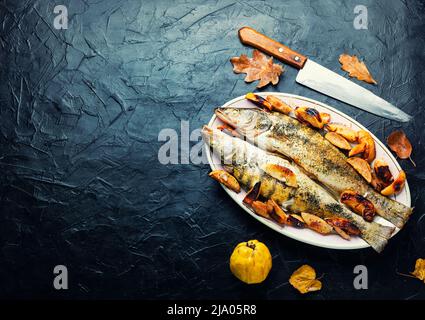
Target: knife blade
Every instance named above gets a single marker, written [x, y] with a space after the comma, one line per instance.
[323, 80]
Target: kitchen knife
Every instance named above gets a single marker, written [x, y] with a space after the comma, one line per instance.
[321, 79]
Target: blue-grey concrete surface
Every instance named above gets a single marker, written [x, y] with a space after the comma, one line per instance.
[81, 110]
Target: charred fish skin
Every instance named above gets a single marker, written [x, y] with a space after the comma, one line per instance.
[308, 196]
[311, 151]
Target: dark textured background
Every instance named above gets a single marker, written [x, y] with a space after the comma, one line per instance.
[81, 110]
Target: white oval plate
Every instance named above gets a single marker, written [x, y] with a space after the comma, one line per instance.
[332, 241]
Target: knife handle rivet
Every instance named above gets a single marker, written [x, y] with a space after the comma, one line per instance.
[280, 49]
[296, 58]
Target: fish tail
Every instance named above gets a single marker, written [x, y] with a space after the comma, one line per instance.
[376, 235]
[393, 211]
[399, 218]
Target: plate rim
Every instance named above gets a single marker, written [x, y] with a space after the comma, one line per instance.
[275, 226]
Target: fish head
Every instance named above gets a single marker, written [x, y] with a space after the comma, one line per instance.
[231, 151]
[250, 122]
[214, 138]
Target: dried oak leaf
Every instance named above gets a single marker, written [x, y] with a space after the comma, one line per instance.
[304, 280]
[399, 143]
[419, 269]
[259, 67]
[355, 68]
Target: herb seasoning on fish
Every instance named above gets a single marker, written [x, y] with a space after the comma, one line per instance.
[303, 196]
[310, 150]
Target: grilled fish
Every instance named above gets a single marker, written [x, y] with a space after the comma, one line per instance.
[248, 164]
[276, 132]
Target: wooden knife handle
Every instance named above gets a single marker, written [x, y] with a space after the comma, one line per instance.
[257, 40]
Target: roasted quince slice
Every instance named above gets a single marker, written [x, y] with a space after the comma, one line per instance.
[369, 152]
[358, 204]
[315, 223]
[226, 179]
[278, 105]
[348, 133]
[310, 116]
[396, 186]
[281, 173]
[362, 167]
[338, 140]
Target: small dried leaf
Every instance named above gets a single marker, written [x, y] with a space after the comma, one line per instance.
[259, 67]
[355, 68]
[419, 269]
[304, 280]
[399, 143]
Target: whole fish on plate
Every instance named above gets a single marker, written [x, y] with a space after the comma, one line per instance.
[249, 165]
[276, 132]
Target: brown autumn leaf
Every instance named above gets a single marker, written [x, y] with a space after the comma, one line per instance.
[355, 68]
[419, 269]
[304, 279]
[399, 143]
[418, 273]
[259, 67]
